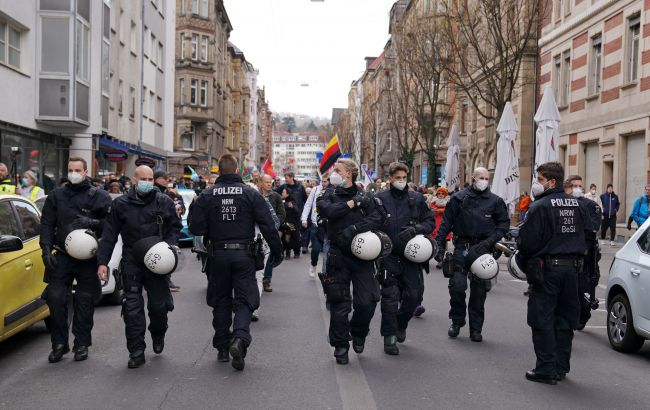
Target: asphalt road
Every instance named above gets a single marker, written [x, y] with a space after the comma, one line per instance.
[290, 366]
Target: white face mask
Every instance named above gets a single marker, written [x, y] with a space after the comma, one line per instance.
[536, 189]
[577, 192]
[593, 192]
[400, 185]
[481, 184]
[75, 178]
[336, 179]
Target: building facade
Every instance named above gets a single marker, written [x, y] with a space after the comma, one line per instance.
[296, 152]
[596, 56]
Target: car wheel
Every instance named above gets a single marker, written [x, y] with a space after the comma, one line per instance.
[620, 326]
[114, 298]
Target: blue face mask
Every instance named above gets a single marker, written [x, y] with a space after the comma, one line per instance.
[144, 187]
[25, 182]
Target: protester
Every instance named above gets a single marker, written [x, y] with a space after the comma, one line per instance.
[610, 207]
[290, 228]
[592, 195]
[640, 210]
[30, 190]
[524, 204]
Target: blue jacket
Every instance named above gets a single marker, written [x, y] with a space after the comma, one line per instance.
[640, 210]
[610, 204]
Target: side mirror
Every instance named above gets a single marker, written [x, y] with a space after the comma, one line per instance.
[10, 243]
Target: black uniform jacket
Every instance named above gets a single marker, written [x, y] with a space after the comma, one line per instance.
[474, 216]
[65, 204]
[405, 209]
[136, 217]
[555, 225]
[229, 211]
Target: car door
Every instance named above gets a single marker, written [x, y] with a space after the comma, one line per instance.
[29, 221]
[639, 282]
[15, 282]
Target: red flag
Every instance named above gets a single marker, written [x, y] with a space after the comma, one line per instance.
[268, 168]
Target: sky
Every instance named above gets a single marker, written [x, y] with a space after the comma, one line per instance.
[296, 42]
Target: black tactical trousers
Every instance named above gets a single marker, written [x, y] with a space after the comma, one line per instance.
[343, 270]
[400, 294]
[159, 303]
[232, 272]
[477, 293]
[553, 312]
[87, 294]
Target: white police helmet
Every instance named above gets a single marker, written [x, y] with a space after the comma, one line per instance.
[485, 267]
[514, 267]
[420, 249]
[81, 244]
[370, 245]
[156, 255]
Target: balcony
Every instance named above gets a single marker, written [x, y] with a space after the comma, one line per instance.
[196, 112]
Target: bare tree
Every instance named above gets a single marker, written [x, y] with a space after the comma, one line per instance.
[489, 40]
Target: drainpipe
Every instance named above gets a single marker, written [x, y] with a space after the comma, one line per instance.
[142, 39]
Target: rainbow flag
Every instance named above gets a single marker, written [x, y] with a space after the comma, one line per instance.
[330, 155]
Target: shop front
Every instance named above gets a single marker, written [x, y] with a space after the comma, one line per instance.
[120, 157]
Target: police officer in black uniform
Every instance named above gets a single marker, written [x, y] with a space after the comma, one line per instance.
[349, 211]
[589, 277]
[478, 218]
[403, 287]
[144, 212]
[226, 215]
[552, 247]
[76, 205]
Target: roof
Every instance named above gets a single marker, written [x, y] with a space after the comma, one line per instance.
[377, 61]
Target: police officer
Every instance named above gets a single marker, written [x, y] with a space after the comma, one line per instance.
[144, 212]
[403, 288]
[349, 210]
[6, 186]
[588, 279]
[552, 246]
[226, 215]
[75, 205]
[478, 218]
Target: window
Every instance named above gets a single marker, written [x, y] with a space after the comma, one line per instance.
[153, 48]
[566, 78]
[134, 37]
[204, 8]
[159, 113]
[147, 41]
[644, 242]
[183, 6]
[557, 66]
[187, 139]
[557, 9]
[193, 86]
[595, 64]
[82, 54]
[195, 46]
[567, 7]
[182, 40]
[463, 115]
[120, 97]
[195, 7]
[389, 141]
[204, 93]
[145, 102]
[204, 48]
[131, 102]
[161, 56]
[29, 219]
[152, 106]
[9, 45]
[632, 49]
[181, 91]
[8, 225]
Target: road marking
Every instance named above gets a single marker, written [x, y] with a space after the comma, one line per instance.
[601, 310]
[603, 287]
[596, 327]
[353, 385]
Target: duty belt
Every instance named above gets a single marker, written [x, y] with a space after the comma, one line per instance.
[573, 262]
[229, 246]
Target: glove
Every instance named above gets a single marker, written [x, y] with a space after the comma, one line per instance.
[344, 240]
[407, 234]
[49, 260]
[629, 225]
[83, 222]
[441, 253]
[362, 200]
[277, 259]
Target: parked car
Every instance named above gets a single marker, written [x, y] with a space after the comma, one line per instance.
[628, 293]
[111, 292]
[21, 266]
[188, 196]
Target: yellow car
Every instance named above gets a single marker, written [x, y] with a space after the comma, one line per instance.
[21, 266]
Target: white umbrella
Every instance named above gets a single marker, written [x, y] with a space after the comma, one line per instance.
[547, 136]
[452, 167]
[506, 175]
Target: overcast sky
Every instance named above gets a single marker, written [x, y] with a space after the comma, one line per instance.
[295, 42]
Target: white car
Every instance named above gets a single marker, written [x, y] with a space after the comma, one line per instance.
[628, 292]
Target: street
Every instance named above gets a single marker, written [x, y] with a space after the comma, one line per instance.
[290, 364]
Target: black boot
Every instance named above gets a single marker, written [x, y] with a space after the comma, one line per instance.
[390, 345]
[57, 353]
[454, 330]
[401, 335]
[223, 356]
[475, 336]
[238, 352]
[534, 377]
[358, 344]
[158, 344]
[341, 354]
[80, 353]
[137, 361]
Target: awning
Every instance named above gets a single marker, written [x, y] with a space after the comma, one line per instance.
[126, 147]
